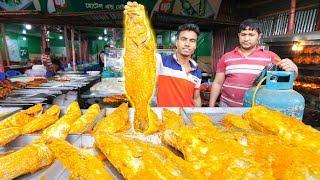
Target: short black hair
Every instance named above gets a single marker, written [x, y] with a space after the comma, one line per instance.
[188, 27]
[47, 49]
[250, 24]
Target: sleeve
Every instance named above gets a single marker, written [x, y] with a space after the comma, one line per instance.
[159, 63]
[199, 78]
[221, 66]
[274, 57]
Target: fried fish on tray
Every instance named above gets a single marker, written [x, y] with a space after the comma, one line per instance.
[60, 129]
[21, 118]
[42, 121]
[285, 127]
[135, 159]
[28, 159]
[81, 164]
[117, 121]
[9, 134]
[140, 66]
[81, 125]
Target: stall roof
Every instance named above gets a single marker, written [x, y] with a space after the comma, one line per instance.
[112, 19]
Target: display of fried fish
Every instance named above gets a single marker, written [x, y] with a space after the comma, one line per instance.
[42, 121]
[117, 121]
[287, 128]
[81, 164]
[60, 129]
[26, 160]
[233, 120]
[135, 159]
[21, 118]
[81, 125]
[140, 66]
[171, 119]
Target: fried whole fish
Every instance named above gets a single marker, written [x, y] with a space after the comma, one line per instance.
[140, 66]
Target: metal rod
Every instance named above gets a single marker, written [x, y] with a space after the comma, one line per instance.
[73, 50]
[4, 41]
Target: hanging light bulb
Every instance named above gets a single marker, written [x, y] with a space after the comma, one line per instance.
[60, 37]
[24, 31]
[28, 26]
[47, 39]
[105, 39]
[105, 31]
[100, 38]
[24, 38]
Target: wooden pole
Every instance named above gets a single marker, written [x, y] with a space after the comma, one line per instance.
[80, 47]
[73, 50]
[1, 63]
[66, 42]
[43, 39]
[4, 42]
[291, 17]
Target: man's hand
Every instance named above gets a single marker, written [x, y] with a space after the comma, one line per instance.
[287, 65]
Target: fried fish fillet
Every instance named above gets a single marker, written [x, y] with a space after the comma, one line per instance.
[26, 160]
[171, 119]
[232, 120]
[140, 66]
[82, 124]
[9, 134]
[81, 164]
[21, 118]
[117, 121]
[135, 159]
[60, 129]
[285, 127]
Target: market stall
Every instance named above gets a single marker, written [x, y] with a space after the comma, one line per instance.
[91, 123]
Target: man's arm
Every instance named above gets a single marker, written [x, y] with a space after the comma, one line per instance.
[216, 88]
[197, 98]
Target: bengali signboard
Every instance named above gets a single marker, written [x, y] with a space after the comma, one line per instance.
[69, 6]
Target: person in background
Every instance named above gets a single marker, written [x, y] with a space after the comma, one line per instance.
[179, 78]
[101, 59]
[237, 69]
[46, 60]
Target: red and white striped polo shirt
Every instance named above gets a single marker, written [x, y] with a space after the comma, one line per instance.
[240, 73]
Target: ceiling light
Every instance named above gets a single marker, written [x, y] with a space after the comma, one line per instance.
[60, 37]
[24, 31]
[24, 38]
[48, 32]
[105, 39]
[47, 39]
[105, 31]
[100, 38]
[28, 26]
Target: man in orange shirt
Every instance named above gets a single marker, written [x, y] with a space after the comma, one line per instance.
[179, 78]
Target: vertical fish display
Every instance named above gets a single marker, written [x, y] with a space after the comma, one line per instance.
[140, 66]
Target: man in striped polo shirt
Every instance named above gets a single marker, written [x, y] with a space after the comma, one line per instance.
[46, 59]
[237, 70]
[179, 78]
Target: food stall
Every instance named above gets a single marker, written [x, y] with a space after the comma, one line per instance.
[55, 137]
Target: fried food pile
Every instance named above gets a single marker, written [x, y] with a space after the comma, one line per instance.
[140, 66]
[262, 144]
